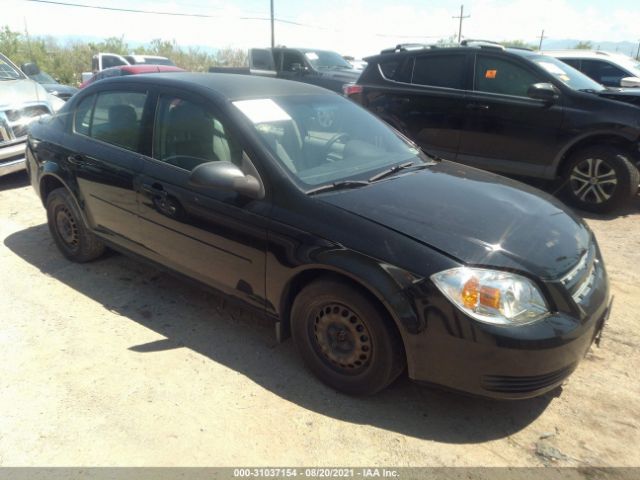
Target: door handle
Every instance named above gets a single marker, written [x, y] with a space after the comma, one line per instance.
[477, 106]
[154, 190]
[76, 159]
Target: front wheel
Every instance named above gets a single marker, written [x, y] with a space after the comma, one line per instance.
[600, 179]
[344, 339]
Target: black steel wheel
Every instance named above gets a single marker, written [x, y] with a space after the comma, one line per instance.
[600, 179]
[344, 338]
[67, 227]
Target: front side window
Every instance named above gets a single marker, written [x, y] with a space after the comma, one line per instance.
[321, 139]
[440, 71]
[603, 72]
[496, 75]
[292, 61]
[187, 134]
[117, 119]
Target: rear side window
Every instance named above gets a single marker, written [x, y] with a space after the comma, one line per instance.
[440, 71]
[574, 62]
[82, 120]
[117, 119]
[389, 68]
[495, 75]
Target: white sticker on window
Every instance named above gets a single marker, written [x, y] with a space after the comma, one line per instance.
[311, 55]
[552, 68]
[262, 110]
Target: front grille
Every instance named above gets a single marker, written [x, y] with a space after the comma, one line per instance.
[581, 279]
[14, 122]
[522, 385]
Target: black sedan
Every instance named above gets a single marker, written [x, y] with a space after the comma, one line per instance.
[373, 256]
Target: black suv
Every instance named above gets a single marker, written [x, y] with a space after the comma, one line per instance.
[511, 111]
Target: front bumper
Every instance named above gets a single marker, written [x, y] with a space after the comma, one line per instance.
[12, 157]
[456, 352]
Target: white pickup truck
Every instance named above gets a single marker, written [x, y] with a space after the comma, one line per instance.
[21, 102]
[101, 61]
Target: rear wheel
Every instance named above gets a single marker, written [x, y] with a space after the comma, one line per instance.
[68, 229]
[344, 339]
[600, 179]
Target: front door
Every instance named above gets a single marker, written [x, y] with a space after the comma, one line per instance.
[215, 236]
[506, 130]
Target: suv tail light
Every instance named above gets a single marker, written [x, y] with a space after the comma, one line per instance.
[349, 89]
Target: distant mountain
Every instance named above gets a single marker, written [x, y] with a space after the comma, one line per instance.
[627, 48]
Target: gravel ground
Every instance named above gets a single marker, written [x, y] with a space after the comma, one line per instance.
[116, 363]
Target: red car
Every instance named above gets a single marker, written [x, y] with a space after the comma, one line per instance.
[129, 70]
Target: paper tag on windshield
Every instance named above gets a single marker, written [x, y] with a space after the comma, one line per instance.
[552, 68]
[262, 110]
[311, 55]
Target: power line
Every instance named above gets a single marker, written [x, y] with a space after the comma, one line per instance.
[204, 15]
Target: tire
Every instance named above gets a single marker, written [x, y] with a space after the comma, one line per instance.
[68, 229]
[600, 179]
[344, 339]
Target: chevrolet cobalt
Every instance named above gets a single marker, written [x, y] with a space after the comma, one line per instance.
[372, 255]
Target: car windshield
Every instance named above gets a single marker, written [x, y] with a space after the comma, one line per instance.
[567, 74]
[323, 139]
[325, 59]
[42, 77]
[7, 70]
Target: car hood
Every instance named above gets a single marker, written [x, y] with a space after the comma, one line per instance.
[627, 95]
[16, 92]
[59, 88]
[343, 75]
[476, 217]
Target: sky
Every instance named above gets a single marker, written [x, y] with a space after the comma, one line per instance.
[351, 27]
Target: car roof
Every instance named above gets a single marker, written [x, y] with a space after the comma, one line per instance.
[432, 49]
[148, 68]
[228, 85]
[582, 53]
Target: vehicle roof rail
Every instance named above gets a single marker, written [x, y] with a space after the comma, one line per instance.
[469, 42]
[405, 47]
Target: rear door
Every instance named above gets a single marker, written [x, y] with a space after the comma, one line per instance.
[217, 237]
[106, 156]
[422, 96]
[506, 130]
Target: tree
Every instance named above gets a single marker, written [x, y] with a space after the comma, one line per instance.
[517, 44]
[584, 45]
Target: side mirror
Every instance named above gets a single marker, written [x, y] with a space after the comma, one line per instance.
[30, 69]
[630, 82]
[298, 68]
[543, 91]
[226, 176]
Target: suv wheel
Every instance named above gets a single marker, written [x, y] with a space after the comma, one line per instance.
[68, 229]
[343, 338]
[600, 179]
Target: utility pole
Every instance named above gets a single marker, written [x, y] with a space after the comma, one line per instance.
[638, 51]
[273, 36]
[542, 37]
[461, 17]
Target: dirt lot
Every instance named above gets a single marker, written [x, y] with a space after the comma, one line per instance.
[115, 363]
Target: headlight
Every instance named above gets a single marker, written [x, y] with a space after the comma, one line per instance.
[492, 296]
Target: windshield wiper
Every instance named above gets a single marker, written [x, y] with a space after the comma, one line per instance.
[343, 184]
[396, 169]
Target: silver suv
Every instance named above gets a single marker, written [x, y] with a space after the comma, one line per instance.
[606, 68]
[21, 101]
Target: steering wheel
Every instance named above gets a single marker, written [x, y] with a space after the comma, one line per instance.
[338, 136]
